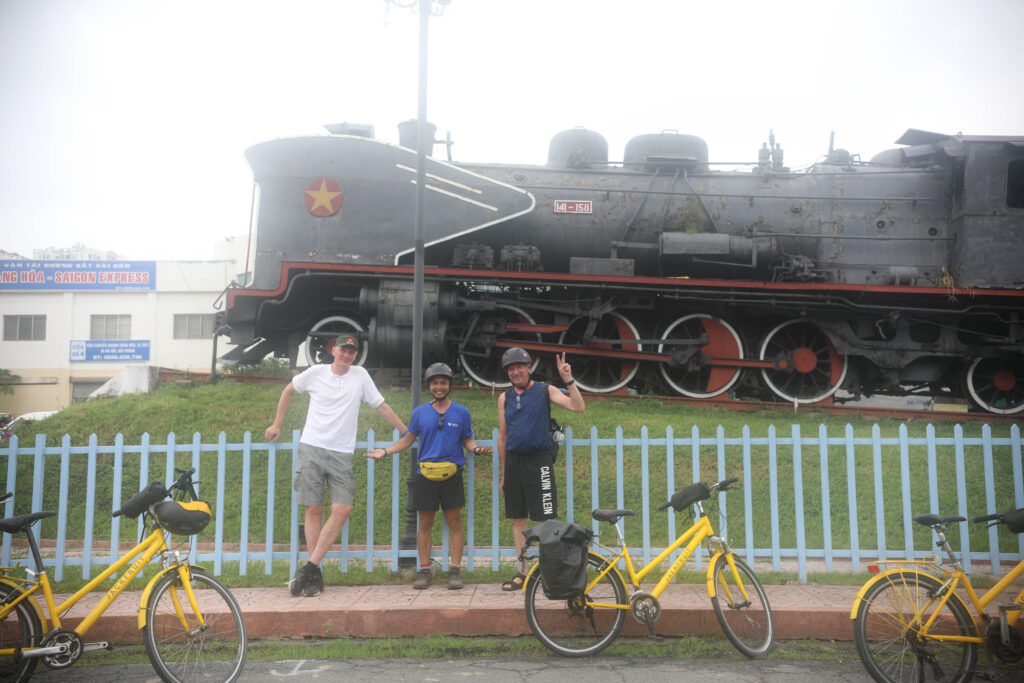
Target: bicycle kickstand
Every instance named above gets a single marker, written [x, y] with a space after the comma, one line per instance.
[649, 619]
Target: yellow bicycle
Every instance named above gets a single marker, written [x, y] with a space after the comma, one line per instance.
[192, 626]
[911, 622]
[586, 624]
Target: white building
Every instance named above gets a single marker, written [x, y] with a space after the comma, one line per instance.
[70, 326]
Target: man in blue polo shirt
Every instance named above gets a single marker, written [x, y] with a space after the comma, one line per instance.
[443, 428]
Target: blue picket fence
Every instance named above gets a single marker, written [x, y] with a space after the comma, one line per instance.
[831, 488]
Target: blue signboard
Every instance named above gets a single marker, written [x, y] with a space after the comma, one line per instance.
[30, 274]
[109, 350]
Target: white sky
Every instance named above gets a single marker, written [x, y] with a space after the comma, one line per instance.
[123, 123]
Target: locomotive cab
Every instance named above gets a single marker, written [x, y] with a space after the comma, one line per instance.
[987, 215]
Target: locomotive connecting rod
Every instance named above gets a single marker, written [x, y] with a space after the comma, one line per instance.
[781, 364]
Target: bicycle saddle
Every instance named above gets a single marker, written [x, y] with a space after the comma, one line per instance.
[14, 525]
[611, 515]
[931, 520]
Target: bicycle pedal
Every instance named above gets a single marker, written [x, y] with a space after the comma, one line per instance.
[101, 645]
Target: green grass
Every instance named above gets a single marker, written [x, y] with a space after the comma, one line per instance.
[451, 647]
[231, 410]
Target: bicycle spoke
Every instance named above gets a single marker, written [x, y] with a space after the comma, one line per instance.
[889, 637]
[747, 622]
[182, 648]
[576, 628]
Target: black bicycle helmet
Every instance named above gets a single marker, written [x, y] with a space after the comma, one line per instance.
[513, 356]
[438, 370]
[185, 519]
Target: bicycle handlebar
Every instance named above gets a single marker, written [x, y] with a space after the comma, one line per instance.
[726, 484]
[988, 518]
[697, 492]
[155, 492]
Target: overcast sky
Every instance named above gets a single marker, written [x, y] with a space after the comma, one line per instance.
[123, 124]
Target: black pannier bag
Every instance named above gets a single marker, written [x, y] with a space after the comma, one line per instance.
[563, 557]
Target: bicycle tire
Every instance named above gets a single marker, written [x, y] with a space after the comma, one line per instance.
[747, 623]
[572, 628]
[21, 627]
[215, 652]
[887, 641]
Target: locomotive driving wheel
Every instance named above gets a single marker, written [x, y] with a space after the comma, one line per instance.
[692, 375]
[478, 358]
[809, 367]
[997, 384]
[597, 373]
[320, 339]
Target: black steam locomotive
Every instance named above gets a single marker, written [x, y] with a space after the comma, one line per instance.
[659, 273]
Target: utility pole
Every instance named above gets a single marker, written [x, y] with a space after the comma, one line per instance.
[408, 540]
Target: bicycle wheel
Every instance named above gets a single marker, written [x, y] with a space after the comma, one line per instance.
[578, 627]
[183, 650]
[19, 628]
[746, 622]
[887, 632]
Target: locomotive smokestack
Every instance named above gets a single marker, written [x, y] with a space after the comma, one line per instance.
[407, 135]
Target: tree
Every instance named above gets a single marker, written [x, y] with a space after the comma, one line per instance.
[7, 376]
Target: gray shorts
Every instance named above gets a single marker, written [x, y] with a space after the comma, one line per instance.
[319, 465]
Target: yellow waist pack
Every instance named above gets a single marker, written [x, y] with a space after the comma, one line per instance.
[438, 471]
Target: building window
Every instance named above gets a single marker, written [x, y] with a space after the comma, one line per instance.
[1015, 184]
[193, 325]
[110, 327]
[24, 328]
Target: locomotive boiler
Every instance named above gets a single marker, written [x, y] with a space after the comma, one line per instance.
[661, 272]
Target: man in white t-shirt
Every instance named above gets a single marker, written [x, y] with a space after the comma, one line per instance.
[325, 449]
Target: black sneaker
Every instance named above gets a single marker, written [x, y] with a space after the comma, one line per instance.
[314, 582]
[298, 582]
[423, 579]
[454, 580]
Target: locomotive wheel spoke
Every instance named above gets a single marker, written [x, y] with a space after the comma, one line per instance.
[593, 373]
[319, 343]
[697, 378]
[997, 384]
[481, 359]
[814, 368]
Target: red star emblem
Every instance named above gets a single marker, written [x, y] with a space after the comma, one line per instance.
[323, 197]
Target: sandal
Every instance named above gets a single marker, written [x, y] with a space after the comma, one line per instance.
[515, 583]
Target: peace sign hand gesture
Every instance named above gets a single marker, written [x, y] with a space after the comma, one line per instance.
[564, 369]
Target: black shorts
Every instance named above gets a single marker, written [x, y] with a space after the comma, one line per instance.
[530, 489]
[427, 495]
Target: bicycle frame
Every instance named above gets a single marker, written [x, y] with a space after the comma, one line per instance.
[145, 551]
[700, 531]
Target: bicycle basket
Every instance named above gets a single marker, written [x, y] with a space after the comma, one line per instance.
[1014, 521]
[185, 519]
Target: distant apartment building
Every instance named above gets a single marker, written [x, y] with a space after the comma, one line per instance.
[70, 325]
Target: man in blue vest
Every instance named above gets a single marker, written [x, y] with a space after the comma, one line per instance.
[525, 448]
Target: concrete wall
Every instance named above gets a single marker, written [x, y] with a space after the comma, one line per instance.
[48, 376]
